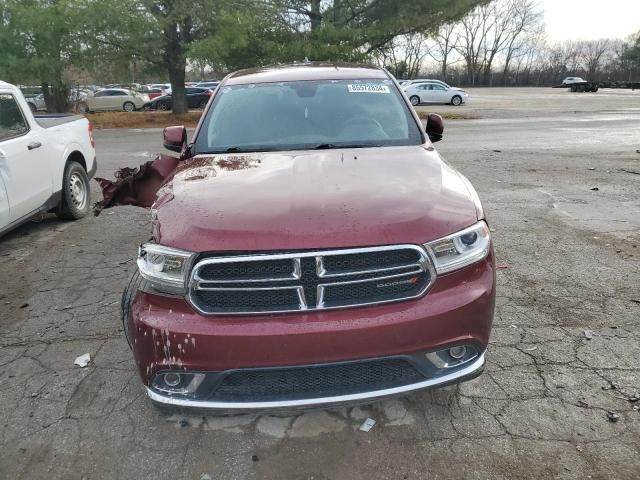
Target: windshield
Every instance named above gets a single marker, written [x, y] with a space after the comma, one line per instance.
[305, 115]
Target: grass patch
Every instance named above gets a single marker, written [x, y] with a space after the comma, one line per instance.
[450, 115]
[101, 120]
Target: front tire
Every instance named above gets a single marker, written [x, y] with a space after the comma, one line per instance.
[135, 282]
[456, 101]
[163, 106]
[129, 107]
[76, 194]
[415, 100]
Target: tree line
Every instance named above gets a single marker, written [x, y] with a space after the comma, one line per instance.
[503, 43]
[59, 43]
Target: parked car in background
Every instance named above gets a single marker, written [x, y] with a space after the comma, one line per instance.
[407, 83]
[572, 80]
[78, 95]
[212, 85]
[90, 88]
[45, 162]
[163, 86]
[126, 86]
[155, 92]
[36, 102]
[196, 98]
[431, 92]
[114, 99]
[312, 248]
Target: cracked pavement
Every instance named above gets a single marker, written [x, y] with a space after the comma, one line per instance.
[569, 262]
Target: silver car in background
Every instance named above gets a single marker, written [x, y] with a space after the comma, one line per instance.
[434, 92]
[114, 99]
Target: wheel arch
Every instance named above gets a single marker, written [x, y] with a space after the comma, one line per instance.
[76, 156]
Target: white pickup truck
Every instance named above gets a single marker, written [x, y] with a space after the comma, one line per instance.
[46, 162]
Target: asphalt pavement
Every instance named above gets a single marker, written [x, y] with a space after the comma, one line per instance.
[559, 176]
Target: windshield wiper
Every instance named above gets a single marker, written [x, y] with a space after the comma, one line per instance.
[330, 146]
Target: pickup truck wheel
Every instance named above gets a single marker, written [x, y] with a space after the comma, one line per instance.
[76, 195]
[415, 100]
[456, 101]
[129, 107]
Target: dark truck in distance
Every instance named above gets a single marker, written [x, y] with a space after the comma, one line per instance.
[577, 84]
[310, 248]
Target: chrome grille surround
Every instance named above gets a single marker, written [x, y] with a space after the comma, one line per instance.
[324, 281]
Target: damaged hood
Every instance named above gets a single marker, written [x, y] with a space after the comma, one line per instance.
[308, 200]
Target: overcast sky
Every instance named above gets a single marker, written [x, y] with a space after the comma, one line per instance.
[591, 19]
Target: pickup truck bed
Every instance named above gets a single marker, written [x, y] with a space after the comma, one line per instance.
[55, 119]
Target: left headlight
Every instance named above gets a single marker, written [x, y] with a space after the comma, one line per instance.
[166, 268]
[461, 249]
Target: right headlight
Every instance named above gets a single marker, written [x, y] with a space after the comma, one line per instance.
[460, 249]
[166, 268]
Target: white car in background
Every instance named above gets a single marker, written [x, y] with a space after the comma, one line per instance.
[434, 92]
[572, 80]
[117, 99]
[408, 83]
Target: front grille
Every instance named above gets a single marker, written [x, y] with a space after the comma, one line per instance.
[288, 282]
[263, 385]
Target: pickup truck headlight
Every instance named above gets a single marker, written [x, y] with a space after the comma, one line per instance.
[460, 249]
[166, 268]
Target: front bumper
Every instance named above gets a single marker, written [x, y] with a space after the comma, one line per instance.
[466, 372]
[167, 334]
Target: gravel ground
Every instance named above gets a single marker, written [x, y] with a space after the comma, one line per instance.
[563, 357]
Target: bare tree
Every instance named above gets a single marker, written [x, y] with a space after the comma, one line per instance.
[484, 34]
[592, 54]
[498, 18]
[444, 43]
[473, 32]
[527, 24]
[404, 55]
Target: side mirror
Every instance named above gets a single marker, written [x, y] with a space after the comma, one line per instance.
[435, 127]
[175, 138]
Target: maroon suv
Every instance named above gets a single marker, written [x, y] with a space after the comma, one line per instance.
[311, 248]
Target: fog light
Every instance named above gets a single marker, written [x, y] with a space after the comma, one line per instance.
[458, 352]
[173, 379]
[181, 383]
[453, 356]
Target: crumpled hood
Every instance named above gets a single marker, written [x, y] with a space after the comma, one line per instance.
[309, 200]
